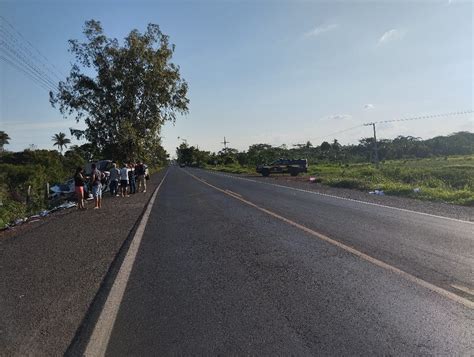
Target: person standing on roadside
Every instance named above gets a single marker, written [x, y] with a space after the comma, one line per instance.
[79, 181]
[140, 172]
[131, 178]
[96, 186]
[124, 180]
[114, 180]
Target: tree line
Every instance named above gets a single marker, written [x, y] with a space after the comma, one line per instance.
[402, 147]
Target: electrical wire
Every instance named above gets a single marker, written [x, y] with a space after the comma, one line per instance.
[432, 116]
[52, 68]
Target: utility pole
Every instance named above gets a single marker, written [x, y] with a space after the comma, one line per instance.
[225, 142]
[376, 150]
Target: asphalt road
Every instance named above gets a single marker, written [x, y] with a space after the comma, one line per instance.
[230, 266]
[51, 271]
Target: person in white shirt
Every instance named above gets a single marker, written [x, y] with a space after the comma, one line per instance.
[124, 180]
[114, 180]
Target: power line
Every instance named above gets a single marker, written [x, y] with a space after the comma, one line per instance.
[337, 132]
[53, 69]
[34, 77]
[14, 55]
[376, 151]
[432, 116]
[19, 68]
[425, 117]
[17, 51]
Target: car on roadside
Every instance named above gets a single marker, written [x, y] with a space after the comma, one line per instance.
[104, 166]
[283, 166]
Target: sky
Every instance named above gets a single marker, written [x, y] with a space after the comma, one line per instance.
[276, 72]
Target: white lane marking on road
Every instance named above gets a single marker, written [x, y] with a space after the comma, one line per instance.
[463, 289]
[445, 293]
[234, 193]
[340, 198]
[100, 337]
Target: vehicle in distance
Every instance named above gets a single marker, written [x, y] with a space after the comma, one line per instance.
[283, 166]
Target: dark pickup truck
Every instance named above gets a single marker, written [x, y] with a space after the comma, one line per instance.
[283, 166]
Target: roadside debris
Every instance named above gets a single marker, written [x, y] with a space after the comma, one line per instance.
[67, 205]
[37, 217]
[312, 179]
[417, 190]
[377, 192]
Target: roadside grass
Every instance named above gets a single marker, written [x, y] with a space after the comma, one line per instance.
[444, 179]
[232, 169]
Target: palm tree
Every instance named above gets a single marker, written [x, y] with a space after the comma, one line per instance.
[4, 139]
[60, 141]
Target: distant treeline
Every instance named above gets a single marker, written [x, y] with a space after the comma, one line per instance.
[402, 147]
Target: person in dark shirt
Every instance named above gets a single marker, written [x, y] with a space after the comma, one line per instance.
[79, 181]
[140, 173]
[131, 178]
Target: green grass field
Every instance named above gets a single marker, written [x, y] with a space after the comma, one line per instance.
[443, 179]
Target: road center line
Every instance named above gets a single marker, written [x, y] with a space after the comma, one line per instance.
[100, 337]
[445, 293]
[463, 289]
[339, 197]
[234, 193]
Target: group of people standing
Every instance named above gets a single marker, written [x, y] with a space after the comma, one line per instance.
[129, 179]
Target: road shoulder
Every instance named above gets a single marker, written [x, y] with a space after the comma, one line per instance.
[464, 213]
[51, 274]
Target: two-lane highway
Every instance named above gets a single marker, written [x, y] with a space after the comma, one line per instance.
[436, 249]
[230, 266]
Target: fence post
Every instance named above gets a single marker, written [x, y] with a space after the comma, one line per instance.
[46, 194]
[28, 195]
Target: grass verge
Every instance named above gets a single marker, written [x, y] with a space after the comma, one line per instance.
[444, 179]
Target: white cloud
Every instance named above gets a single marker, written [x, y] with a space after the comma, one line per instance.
[320, 30]
[338, 117]
[37, 125]
[391, 35]
[369, 106]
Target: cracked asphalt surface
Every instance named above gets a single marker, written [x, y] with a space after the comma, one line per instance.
[215, 276]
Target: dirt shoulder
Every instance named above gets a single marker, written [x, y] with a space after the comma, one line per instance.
[52, 269]
[303, 183]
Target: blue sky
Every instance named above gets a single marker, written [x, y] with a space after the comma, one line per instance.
[269, 71]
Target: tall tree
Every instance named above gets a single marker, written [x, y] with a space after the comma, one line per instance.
[61, 141]
[4, 139]
[134, 90]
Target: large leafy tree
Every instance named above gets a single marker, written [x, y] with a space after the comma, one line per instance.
[61, 141]
[4, 139]
[124, 93]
